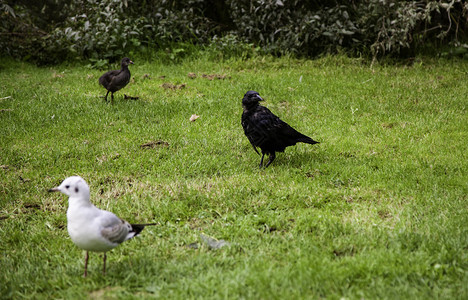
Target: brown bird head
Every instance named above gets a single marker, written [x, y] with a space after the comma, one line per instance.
[125, 62]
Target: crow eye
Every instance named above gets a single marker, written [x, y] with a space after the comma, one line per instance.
[67, 187]
[76, 190]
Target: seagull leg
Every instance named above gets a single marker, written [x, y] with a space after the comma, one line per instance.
[86, 264]
[261, 160]
[105, 98]
[272, 158]
[104, 264]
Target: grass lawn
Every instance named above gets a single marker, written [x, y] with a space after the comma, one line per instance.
[378, 209]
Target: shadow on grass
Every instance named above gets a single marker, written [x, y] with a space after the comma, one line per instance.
[297, 159]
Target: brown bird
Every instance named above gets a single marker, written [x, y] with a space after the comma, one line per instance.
[115, 80]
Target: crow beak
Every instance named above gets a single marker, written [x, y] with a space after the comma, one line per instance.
[131, 62]
[261, 99]
[55, 189]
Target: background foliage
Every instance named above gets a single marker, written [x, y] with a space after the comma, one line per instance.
[51, 30]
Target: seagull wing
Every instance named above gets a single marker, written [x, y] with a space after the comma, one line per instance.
[114, 229]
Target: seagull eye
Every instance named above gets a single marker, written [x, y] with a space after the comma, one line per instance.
[76, 190]
[67, 187]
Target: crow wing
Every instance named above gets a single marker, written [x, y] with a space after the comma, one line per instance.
[270, 133]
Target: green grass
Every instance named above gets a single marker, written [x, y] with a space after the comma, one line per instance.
[377, 210]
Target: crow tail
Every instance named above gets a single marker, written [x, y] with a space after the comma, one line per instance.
[307, 140]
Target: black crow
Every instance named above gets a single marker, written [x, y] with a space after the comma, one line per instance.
[267, 131]
[117, 79]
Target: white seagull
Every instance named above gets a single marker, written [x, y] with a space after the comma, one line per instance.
[89, 227]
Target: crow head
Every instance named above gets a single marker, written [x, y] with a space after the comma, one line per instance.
[251, 98]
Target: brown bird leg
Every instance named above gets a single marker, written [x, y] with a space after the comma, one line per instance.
[86, 264]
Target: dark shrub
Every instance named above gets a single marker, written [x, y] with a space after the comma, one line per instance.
[108, 29]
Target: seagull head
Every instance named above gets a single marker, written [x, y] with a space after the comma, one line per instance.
[126, 61]
[73, 187]
[251, 98]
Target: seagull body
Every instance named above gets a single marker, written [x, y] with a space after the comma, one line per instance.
[89, 227]
[93, 229]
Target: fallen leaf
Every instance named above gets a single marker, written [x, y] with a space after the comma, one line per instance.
[193, 245]
[192, 75]
[194, 117]
[130, 97]
[60, 75]
[213, 243]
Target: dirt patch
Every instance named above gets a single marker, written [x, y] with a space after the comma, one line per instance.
[154, 144]
[214, 76]
[170, 86]
[388, 125]
[106, 293]
[192, 75]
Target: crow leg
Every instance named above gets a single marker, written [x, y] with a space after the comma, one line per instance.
[272, 158]
[86, 264]
[105, 98]
[261, 160]
[104, 264]
[112, 98]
